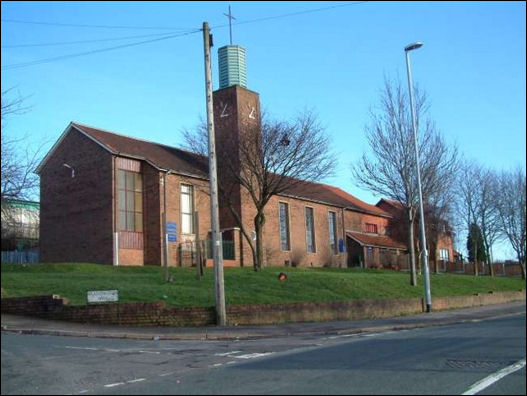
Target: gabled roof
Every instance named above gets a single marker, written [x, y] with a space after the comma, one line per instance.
[382, 241]
[160, 156]
[390, 202]
[192, 164]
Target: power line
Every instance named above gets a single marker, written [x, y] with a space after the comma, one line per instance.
[92, 26]
[82, 41]
[293, 14]
[47, 60]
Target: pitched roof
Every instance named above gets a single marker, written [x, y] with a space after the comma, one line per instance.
[193, 164]
[394, 204]
[161, 156]
[357, 202]
[382, 241]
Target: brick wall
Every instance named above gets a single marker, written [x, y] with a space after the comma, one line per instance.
[76, 219]
[298, 254]
[158, 314]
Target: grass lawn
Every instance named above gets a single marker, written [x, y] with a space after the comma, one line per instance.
[242, 285]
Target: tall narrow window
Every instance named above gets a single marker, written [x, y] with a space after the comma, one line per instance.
[332, 220]
[284, 226]
[187, 209]
[130, 200]
[310, 230]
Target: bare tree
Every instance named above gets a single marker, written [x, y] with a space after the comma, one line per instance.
[18, 161]
[390, 170]
[511, 210]
[477, 206]
[267, 160]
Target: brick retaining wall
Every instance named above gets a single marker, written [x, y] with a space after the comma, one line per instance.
[158, 314]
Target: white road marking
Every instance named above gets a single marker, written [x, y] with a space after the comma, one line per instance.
[252, 355]
[112, 385]
[88, 349]
[226, 354]
[136, 380]
[486, 382]
[154, 352]
[83, 391]
[165, 374]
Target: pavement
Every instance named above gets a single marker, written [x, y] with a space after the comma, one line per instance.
[31, 325]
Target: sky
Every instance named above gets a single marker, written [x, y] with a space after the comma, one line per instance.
[329, 57]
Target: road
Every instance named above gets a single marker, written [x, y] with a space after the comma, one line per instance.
[435, 360]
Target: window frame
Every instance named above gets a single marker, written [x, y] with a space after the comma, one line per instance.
[333, 232]
[371, 226]
[313, 234]
[192, 208]
[127, 211]
[288, 226]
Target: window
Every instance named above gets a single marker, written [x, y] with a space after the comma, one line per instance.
[130, 201]
[332, 221]
[310, 231]
[187, 209]
[371, 228]
[443, 254]
[284, 226]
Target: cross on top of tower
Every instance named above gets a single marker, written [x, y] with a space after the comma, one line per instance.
[229, 15]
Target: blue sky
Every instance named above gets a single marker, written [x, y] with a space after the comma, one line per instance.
[472, 66]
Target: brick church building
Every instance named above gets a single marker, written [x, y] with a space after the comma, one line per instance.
[111, 199]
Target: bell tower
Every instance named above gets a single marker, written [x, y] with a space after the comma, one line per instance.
[236, 117]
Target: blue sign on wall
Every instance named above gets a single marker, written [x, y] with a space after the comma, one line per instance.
[341, 245]
[171, 230]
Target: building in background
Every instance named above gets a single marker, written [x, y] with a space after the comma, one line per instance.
[20, 224]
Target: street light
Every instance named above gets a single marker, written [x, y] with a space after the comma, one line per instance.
[428, 296]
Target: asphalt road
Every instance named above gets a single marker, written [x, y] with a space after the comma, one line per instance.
[435, 360]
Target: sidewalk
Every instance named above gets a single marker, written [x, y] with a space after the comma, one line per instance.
[29, 325]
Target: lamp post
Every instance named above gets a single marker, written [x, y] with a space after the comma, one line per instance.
[428, 296]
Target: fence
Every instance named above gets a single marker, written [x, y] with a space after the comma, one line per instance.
[188, 253]
[22, 257]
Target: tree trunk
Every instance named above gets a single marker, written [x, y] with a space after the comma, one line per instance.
[521, 260]
[259, 221]
[476, 269]
[411, 251]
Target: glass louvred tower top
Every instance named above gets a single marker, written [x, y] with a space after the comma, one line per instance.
[232, 66]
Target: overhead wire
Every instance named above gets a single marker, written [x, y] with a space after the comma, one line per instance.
[92, 26]
[292, 14]
[82, 41]
[47, 60]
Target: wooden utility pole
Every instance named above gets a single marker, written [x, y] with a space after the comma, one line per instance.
[217, 251]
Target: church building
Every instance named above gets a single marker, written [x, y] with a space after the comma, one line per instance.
[111, 199]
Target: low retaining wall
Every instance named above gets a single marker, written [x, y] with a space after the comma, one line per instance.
[158, 314]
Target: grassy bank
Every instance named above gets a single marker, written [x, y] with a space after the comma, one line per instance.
[242, 285]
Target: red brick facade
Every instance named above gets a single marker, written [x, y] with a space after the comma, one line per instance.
[82, 217]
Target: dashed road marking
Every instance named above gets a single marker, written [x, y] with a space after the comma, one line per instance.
[136, 380]
[252, 355]
[226, 353]
[112, 385]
